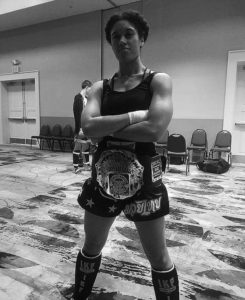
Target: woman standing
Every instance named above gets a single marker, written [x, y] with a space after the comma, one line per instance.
[127, 114]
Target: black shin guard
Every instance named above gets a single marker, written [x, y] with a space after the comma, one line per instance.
[87, 158]
[85, 275]
[166, 284]
[77, 160]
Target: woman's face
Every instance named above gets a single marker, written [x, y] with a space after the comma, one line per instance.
[125, 41]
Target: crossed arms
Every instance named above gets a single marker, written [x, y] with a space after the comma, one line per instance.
[139, 126]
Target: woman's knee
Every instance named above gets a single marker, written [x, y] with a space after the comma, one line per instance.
[93, 247]
[160, 260]
[96, 232]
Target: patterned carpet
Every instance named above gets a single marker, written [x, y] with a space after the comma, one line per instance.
[41, 230]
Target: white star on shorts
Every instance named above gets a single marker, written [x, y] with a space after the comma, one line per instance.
[112, 208]
[90, 203]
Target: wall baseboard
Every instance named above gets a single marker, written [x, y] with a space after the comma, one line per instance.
[238, 159]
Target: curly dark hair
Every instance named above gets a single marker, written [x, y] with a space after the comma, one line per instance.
[132, 16]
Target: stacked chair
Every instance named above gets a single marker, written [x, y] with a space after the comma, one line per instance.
[56, 137]
[198, 144]
[67, 137]
[175, 145]
[221, 145]
[162, 144]
[177, 149]
[44, 136]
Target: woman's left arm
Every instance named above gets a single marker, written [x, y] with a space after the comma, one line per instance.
[159, 116]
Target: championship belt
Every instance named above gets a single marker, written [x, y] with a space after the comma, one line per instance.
[119, 173]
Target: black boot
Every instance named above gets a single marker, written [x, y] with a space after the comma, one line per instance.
[166, 284]
[85, 275]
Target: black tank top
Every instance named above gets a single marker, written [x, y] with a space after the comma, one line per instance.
[117, 102]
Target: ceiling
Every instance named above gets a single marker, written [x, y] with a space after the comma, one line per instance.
[16, 14]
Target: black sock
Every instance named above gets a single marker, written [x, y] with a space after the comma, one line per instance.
[80, 163]
[87, 268]
[166, 284]
[76, 158]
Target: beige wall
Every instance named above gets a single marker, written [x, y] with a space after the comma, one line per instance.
[66, 52]
[189, 39]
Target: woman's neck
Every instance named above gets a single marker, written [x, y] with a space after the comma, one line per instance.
[130, 69]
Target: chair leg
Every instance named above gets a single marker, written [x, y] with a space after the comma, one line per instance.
[52, 145]
[38, 141]
[230, 158]
[168, 159]
[186, 166]
[164, 163]
[61, 146]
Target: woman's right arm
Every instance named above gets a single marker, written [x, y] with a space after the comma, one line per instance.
[95, 125]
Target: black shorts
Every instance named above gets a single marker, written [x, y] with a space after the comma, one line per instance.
[150, 202]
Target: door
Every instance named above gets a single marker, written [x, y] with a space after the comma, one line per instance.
[30, 109]
[239, 110]
[16, 112]
[234, 110]
[22, 110]
[19, 107]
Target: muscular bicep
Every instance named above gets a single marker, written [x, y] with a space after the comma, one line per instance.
[92, 108]
[161, 108]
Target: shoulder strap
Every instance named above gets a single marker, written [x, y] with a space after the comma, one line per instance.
[149, 76]
[105, 83]
[111, 81]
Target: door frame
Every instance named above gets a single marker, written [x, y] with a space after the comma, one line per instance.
[234, 58]
[4, 122]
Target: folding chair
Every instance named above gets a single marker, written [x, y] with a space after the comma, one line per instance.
[56, 136]
[177, 148]
[67, 137]
[162, 143]
[222, 144]
[198, 143]
[161, 148]
[42, 137]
